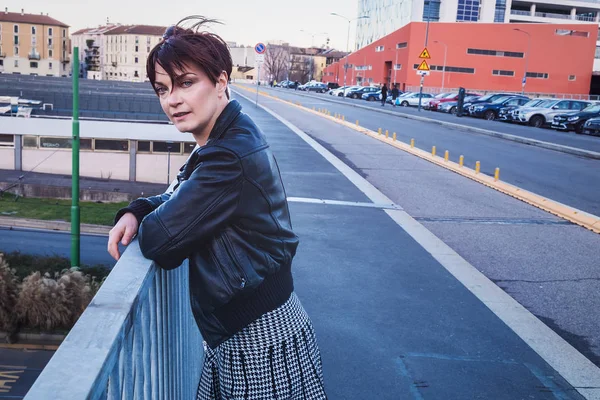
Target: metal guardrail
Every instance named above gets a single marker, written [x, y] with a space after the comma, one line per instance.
[136, 340]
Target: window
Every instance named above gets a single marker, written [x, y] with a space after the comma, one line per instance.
[85, 144]
[55, 143]
[568, 32]
[496, 53]
[111, 145]
[136, 75]
[500, 11]
[148, 49]
[538, 75]
[50, 53]
[166, 147]
[468, 11]
[16, 29]
[148, 40]
[7, 140]
[501, 72]
[16, 40]
[572, 77]
[16, 51]
[33, 30]
[16, 63]
[33, 64]
[188, 147]
[398, 67]
[1, 62]
[401, 45]
[64, 33]
[597, 52]
[136, 60]
[49, 65]
[461, 70]
[137, 49]
[137, 40]
[49, 31]
[431, 10]
[379, 48]
[30, 141]
[49, 42]
[143, 146]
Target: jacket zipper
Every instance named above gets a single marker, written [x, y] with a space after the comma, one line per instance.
[223, 239]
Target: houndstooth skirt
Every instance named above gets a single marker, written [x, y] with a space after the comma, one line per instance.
[275, 357]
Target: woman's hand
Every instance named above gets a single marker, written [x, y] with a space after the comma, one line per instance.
[123, 231]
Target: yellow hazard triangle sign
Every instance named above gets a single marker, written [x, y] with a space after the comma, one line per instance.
[425, 54]
[423, 66]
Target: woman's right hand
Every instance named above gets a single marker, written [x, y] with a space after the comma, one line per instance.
[123, 231]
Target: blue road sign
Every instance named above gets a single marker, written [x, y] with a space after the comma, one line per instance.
[260, 48]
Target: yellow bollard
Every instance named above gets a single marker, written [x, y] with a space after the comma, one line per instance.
[343, 118]
[387, 135]
[477, 167]
[497, 175]
[446, 155]
[394, 137]
[329, 113]
[356, 122]
[461, 161]
[412, 143]
[379, 131]
[433, 151]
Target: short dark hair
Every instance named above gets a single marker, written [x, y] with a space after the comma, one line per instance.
[192, 46]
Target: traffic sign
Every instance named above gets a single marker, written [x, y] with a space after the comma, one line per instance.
[425, 54]
[423, 66]
[260, 48]
[259, 58]
[423, 73]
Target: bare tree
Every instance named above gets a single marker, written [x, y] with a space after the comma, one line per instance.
[301, 68]
[277, 59]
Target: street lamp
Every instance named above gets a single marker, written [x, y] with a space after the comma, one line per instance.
[526, 56]
[348, 43]
[444, 68]
[312, 41]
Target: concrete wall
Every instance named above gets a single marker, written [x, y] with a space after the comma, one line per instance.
[153, 167]
[7, 158]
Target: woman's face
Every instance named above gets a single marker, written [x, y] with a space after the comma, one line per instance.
[192, 101]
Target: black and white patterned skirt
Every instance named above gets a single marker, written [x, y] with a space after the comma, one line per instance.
[275, 357]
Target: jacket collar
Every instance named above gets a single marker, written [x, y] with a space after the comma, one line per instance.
[229, 113]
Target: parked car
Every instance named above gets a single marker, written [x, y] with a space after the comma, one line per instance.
[434, 104]
[592, 127]
[372, 96]
[412, 99]
[507, 113]
[389, 99]
[333, 85]
[575, 121]
[438, 96]
[491, 110]
[357, 93]
[451, 107]
[318, 87]
[540, 116]
[489, 98]
[340, 91]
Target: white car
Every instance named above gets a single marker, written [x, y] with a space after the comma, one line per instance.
[412, 99]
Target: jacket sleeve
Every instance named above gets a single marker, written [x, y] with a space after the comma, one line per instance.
[197, 210]
[143, 206]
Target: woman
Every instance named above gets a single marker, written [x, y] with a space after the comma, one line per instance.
[228, 215]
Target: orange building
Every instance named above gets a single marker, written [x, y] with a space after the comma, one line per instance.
[478, 56]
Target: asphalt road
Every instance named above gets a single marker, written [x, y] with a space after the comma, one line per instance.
[565, 178]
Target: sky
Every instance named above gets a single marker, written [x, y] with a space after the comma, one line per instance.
[245, 22]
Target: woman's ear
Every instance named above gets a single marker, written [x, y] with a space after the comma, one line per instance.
[222, 84]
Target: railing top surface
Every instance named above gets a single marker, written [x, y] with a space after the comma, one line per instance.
[85, 356]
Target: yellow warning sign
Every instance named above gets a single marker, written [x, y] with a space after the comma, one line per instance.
[423, 66]
[425, 54]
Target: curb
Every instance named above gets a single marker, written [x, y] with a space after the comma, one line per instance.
[581, 218]
[43, 341]
[61, 226]
[506, 136]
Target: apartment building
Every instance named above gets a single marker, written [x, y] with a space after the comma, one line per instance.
[90, 42]
[33, 44]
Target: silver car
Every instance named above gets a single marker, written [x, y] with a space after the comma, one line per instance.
[545, 112]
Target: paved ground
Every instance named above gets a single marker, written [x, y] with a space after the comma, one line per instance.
[392, 321]
[19, 368]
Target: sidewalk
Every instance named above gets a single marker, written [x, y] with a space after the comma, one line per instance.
[392, 319]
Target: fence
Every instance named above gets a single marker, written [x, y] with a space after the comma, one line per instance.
[136, 340]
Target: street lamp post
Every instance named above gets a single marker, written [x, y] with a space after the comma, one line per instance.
[348, 44]
[444, 68]
[312, 43]
[426, 41]
[526, 57]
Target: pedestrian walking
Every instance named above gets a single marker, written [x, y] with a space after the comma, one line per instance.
[395, 93]
[384, 91]
[228, 215]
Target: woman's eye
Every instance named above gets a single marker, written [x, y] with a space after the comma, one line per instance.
[161, 91]
[186, 84]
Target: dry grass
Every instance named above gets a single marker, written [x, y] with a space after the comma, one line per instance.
[9, 290]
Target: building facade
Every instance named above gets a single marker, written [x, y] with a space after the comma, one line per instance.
[386, 16]
[90, 42]
[478, 56]
[33, 45]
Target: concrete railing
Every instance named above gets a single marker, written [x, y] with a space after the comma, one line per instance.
[136, 340]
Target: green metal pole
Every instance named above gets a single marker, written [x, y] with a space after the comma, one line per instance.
[75, 233]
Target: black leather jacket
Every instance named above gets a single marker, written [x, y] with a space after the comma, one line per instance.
[228, 215]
